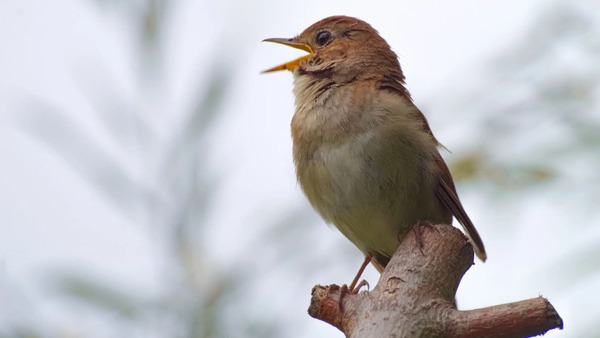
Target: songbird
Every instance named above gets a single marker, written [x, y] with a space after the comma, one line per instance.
[364, 153]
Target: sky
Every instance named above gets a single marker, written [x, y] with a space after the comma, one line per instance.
[77, 59]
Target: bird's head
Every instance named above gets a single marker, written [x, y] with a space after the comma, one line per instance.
[342, 49]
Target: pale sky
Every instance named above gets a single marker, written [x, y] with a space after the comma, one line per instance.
[59, 55]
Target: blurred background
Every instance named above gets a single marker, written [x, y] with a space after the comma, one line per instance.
[148, 189]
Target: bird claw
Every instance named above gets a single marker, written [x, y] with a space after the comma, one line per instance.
[359, 286]
[345, 290]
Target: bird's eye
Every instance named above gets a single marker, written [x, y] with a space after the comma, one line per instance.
[323, 37]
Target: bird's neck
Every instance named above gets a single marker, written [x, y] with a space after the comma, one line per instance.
[330, 113]
[326, 111]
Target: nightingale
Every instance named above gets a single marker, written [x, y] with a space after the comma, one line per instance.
[365, 156]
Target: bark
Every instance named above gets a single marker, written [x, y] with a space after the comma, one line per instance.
[415, 297]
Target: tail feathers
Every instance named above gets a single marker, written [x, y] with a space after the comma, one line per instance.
[446, 194]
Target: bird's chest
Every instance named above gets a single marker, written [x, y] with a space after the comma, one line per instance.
[358, 186]
[367, 181]
[336, 177]
[351, 178]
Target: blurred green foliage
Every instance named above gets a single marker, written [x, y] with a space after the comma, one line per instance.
[200, 299]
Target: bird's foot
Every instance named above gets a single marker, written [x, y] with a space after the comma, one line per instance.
[350, 290]
[356, 289]
[355, 286]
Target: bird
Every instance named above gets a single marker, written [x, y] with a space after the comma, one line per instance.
[365, 155]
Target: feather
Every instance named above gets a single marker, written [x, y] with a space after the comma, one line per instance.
[446, 194]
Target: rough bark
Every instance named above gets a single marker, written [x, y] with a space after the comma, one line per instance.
[415, 297]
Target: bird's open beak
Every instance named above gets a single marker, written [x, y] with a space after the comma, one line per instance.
[294, 63]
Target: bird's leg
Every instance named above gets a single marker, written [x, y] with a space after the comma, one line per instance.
[355, 286]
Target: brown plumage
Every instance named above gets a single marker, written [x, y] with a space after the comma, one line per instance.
[365, 155]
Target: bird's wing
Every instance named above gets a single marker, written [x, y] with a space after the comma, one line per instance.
[446, 194]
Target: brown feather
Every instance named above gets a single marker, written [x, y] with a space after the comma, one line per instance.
[446, 193]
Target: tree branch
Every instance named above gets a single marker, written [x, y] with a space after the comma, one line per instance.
[415, 297]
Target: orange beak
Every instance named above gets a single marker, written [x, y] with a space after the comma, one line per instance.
[294, 63]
